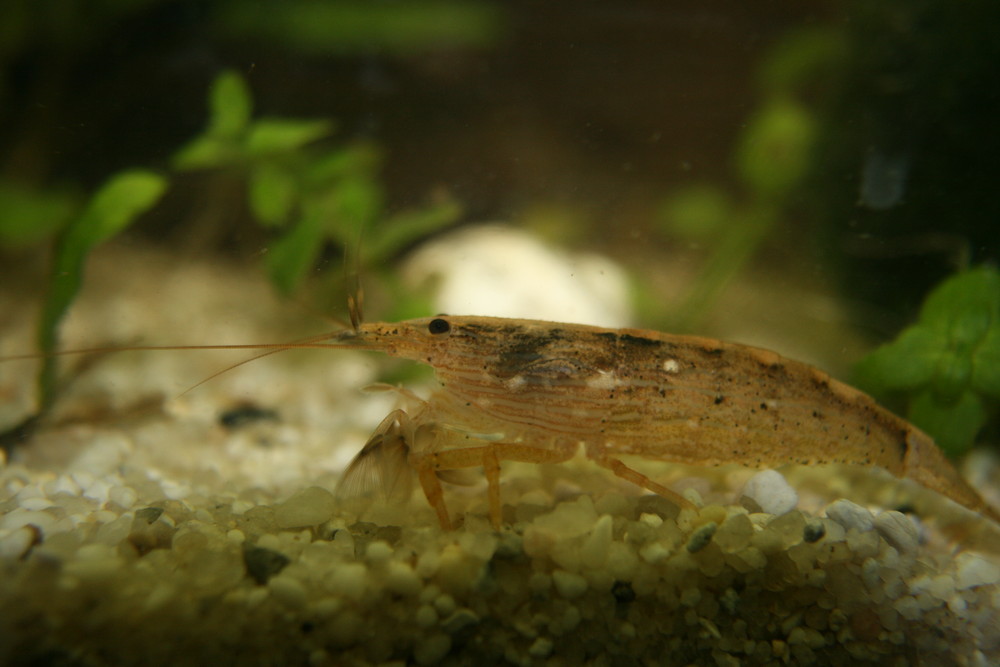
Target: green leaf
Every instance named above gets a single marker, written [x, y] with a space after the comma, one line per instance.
[904, 365]
[291, 257]
[230, 106]
[986, 364]
[775, 149]
[278, 135]
[273, 191]
[112, 208]
[353, 205]
[697, 212]
[965, 306]
[357, 159]
[954, 427]
[406, 228]
[29, 216]
[207, 152]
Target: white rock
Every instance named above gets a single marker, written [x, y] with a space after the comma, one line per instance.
[898, 530]
[308, 507]
[568, 584]
[771, 492]
[497, 270]
[974, 570]
[849, 515]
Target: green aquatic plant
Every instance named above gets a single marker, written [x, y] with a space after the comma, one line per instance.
[772, 159]
[112, 208]
[945, 368]
[309, 193]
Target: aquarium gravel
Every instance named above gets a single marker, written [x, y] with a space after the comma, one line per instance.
[105, 563]
[147, 526]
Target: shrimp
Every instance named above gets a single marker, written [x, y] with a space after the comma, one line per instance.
[538, 392]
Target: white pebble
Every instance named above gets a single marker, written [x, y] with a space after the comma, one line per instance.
[568, 584]
[771, 492]
[378, 552]
[36, 504]
[308, 507]
[123, 496]
[429, 651]
[898, 530]
[850, 515]
[401, 579]
[541, 648]
[288, 591]
[16, 543]
[974, 570]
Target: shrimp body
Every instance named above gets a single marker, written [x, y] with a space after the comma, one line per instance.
[537, 391]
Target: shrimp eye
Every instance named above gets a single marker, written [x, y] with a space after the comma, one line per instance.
[438, 326]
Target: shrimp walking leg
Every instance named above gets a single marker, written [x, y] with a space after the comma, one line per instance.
[488, 457]
[601, 458]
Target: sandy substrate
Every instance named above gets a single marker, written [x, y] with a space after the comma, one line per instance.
[141, 526]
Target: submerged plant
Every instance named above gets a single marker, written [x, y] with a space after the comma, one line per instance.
[945, 368]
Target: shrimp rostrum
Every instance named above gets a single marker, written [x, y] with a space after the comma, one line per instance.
[539, 392]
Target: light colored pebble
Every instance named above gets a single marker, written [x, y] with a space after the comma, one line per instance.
[401, 579]
[425, 616]
[771, 493]
[898, 530]
[15, 543]
[541, 648]
[309, 507]
[594, 552]
[568, 584]
[378, 552]
[123, 496]
[36, 504]
[973, 570]
[654, 552]
[432, 649]
[850, 515]
[462, 618]
[349, 580]
[288, 590]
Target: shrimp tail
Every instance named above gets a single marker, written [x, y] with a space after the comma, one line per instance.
[926, 464]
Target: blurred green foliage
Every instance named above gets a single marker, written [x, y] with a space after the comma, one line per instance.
[360, 25]
[945, 368]
[114, 206]
[772, 159]
[311, 194]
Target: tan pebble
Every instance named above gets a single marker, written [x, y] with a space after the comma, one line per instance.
[425, 616]
[349, 580]
[460, 619]
[401, 579]
[288, 590]
[973, 570]
[734, 533]
[428, 563]
[16, 543]
[568, 584]
[594, 552]
[378, 552]
[654, 553]
[308, 507]
[849, 515]
[539, 583]
[445, 604]
[898, 530]
[541, 648]
[432, 649]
